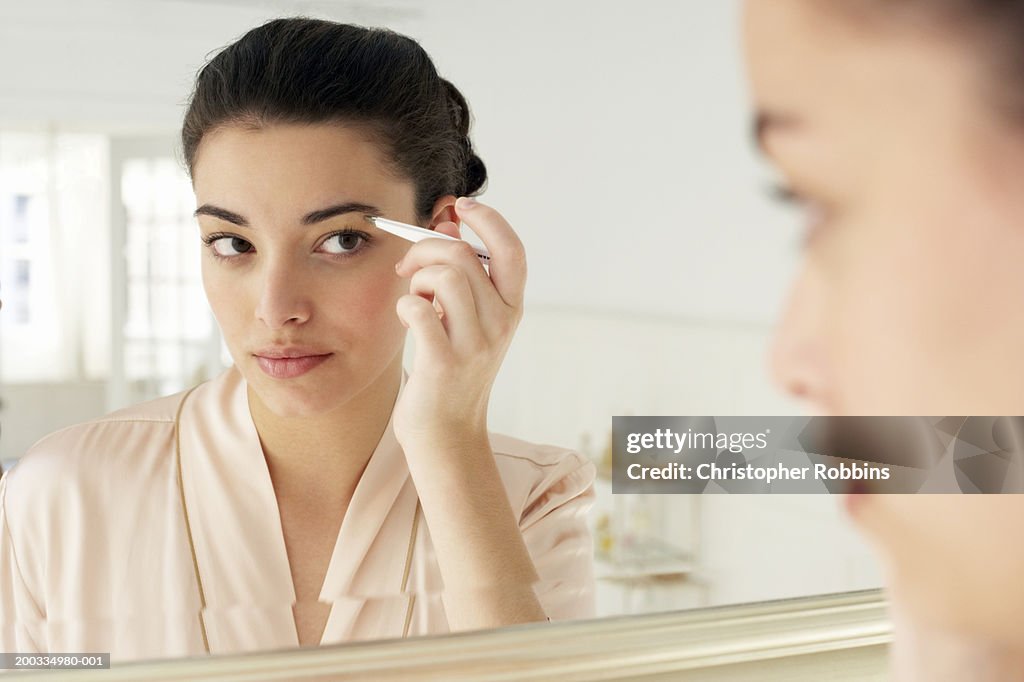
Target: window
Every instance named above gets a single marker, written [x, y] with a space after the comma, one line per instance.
[54, 277]
[168, 327]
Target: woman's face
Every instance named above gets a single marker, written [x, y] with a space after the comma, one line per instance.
[272, 202]
[910, 296]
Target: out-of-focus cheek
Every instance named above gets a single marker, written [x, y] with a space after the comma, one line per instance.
[866, 343]
[876, 320]
[918, 289]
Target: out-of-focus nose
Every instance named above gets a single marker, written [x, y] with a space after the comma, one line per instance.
[797, 359]
[283, 298]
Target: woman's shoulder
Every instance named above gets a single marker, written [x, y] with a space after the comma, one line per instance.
[96, 449]
[124, 428]
[157, 413]
[541, 477]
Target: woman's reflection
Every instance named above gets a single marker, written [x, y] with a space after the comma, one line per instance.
[313, 492]
[898, 125]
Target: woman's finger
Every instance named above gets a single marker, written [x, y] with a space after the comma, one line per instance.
[508, 257]
[448, 287]
[431, 340]
[491, 307]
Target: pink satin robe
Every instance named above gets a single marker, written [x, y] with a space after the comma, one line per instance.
[95, 555]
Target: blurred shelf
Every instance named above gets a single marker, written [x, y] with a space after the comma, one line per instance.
[644, 562]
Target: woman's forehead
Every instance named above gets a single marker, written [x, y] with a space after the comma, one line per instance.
[801, 57]
[304, 167]
[290, 146]
[827, 71]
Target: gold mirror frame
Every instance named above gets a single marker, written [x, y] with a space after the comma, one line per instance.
[846, 634]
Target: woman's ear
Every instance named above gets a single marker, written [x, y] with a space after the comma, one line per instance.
[444, 212]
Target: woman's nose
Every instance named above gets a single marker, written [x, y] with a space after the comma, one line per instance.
[283, 297]
[797, 359]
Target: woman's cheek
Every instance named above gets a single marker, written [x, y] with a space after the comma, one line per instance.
[881, 317]
[369, 302]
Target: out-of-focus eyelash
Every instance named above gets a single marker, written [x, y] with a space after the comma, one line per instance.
[791, 197]
[209, 239]
[785, 194]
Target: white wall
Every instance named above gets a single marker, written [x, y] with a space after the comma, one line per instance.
[128, 65]
[617, 137]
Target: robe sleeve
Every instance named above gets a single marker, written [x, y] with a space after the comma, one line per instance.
[556, 530]
[21, 619]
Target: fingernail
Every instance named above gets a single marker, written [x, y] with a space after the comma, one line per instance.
[398, 265]
[465, 203]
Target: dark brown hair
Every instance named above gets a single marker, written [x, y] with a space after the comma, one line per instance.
[309, 71]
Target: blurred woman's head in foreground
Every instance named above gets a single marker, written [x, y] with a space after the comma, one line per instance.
[899, 126]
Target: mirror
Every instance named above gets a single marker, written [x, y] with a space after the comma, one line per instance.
[616, 141]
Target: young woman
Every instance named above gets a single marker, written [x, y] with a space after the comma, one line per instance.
[313, 492]
[899, 126]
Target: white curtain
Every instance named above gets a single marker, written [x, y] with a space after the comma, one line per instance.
[53, 228]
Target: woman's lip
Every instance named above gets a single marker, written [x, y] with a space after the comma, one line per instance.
[287, 368]
[854, 497]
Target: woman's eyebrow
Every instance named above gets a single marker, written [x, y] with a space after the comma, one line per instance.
[340, 209]
[221, 214]
[310, 218]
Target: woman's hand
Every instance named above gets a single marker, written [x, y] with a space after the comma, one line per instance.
[462, 321]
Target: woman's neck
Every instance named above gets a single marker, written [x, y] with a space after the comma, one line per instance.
[328, 450]
[924, 653]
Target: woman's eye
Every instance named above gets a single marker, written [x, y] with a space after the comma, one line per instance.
[342, 243]
[226, 247]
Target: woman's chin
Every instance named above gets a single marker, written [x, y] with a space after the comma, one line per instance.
[295, 400]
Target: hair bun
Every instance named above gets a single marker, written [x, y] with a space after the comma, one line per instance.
[476, 173]
[458, 109]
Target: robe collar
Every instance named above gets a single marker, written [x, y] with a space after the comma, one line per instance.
[235, 526]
